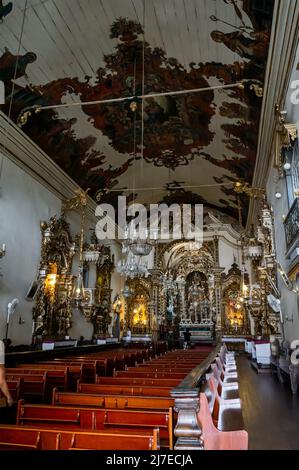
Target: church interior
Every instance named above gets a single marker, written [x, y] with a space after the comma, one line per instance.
[149, 225]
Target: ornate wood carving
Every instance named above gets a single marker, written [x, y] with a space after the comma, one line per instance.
[52, 312]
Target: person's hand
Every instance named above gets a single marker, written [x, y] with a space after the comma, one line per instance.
[10, 401]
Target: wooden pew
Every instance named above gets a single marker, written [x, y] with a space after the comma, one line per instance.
[34, 387]
[12, 438]
[167, 369]
[65, 377]
[94, 366]
[15, 387]
[137, 381]
[89, 370]
[226, 413]
[111, 401]
[54, 377]
[213, 439]
[101, 389]
[190, 364]
[153, 375]
[97, 419]
[97, 365]
[23, 438]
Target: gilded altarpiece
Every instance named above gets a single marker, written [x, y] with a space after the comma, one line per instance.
[235, 319]
[138, 315]
[100, 314]
[52, 312]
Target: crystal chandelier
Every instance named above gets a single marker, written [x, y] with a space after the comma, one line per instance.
[91, 256]
[138, 244]
[132, 266]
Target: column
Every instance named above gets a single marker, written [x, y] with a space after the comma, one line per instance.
[217, 272]
[187, 429]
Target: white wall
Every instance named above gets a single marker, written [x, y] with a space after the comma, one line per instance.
[289, 302]
[24, 203]
[227, 252]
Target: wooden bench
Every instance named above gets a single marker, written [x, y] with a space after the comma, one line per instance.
[153, 375]
[97, 419]
[111, 401]
[166, 369]
[35, 387]
[89, 370]
[15, 387]
[226, 413]
[149, 391]
[138, 381]
[54, 377]
[23, 438]
[12, 438]
[63, 376]
[213, 439]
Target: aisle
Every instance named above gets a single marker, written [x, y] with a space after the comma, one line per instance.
[270, 410]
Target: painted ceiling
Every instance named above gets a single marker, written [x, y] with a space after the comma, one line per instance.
[176, 148]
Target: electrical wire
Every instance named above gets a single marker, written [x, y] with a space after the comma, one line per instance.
[216, 185]
[13, 83]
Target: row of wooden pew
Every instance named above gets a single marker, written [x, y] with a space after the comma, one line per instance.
[129, 407]
[220, 412]
[35, 382]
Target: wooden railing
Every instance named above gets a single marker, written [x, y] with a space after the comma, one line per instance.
[186, 404]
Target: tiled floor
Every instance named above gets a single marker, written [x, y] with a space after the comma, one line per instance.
[270, 410]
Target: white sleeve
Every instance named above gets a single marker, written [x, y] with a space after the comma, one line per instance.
[2, 353]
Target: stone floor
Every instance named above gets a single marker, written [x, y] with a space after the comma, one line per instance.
[270, 410]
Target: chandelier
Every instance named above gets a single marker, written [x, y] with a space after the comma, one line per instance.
[138, 244]
[132, 266]
[93, 253]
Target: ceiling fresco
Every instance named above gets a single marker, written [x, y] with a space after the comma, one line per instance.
[175, 148]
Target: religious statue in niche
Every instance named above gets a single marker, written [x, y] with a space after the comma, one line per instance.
[138, 311]
[52, 312]
[118, 315]
[169, 308]
[235, 319]
[101, 316]
[197, 298]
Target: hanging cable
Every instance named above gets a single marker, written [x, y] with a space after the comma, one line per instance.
[216, 185]
[13, 83]
[143, 87]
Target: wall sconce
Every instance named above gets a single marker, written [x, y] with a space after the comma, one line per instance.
[289, 319]
[2, 250]
[278, 195]
[287, 166]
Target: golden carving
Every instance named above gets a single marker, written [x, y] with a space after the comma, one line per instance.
[286, 134]
[52, 312]
[243, 187]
